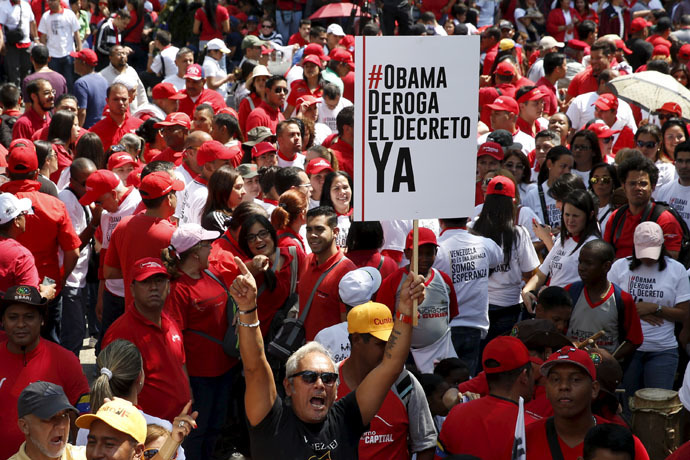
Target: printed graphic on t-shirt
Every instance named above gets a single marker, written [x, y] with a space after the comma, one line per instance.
[680, 204]
[463, 266]
[642, 287]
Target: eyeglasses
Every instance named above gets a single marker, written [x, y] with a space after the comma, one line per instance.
[49, 92]
[664, 116]
[263, 234]
[581, 147]
[328, 378]
[607, 140]
[646, 145]
[266, 26]
[603, 180]
[280, 89]
[638, 183]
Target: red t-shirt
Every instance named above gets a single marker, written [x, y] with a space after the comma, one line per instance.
[134, 238]
[389, 288]
[48, 229]
[207, 96]
[170, 155]
[538, 444]
[469, 426]
[246, 108]
[29, 123]
[539, 407]
[346, 156]
[434, 6]
[300, 88]
[349, 84]
[166, 386]
[297, 38]
[17, 265]
[326, 307]
[269, 302]
[681, 453]
[488, 95]
[287, 238]
[200, 304]
[551, 99]
[47, 362]
[478, 193]
[110, 133]
[208, 32]
[264, 115]
[372, 258]
[135, 35]
[583, 82]
[626, 140]
[673, 234]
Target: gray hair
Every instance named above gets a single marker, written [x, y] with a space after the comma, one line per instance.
[310, 347]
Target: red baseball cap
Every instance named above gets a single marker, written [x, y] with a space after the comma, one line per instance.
[22, 159]
[22, 142]
[342, 55]
[158, 184]
[602, 130]
[493, 149]
[147, 267]
[532, 95]
[313, 59]
[99, 183]
[620, 44]
[576, 44]
[503, 354]
[120, 159]
[308, 99]
[348, 41]
[314, 49]
[638, 24]
[501, 185]
[318, 165]
[684, 51]
[166, 91]
[606, 101]
[175, 119]
[212, 151]
[505, 68]
[424, 235]
[194, 72]
[661, 50]
[134, 178]
[259, 149]
[230, 111]
[87, 55]
[506, 103]
[570, 355]
[671, 107]
[660, 41]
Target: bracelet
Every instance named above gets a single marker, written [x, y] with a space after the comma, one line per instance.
[407, 319]
[240, 323]
[246, 312]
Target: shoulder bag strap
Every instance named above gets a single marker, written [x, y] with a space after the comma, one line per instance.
[217, 280]
[294, 268]
[618, 224]
[542, 199]
[380, 263]
[552, 437]
[307, 305]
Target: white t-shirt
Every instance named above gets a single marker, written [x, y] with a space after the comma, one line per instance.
[524, 139]
[648, 284]
[584, 175]
[191, 204]
[185, 175]
[178, 82]
[212, 69]
[336, 340]
[533, 201]
[603, 217]
[467, 258]
[76, 279]
[581, 110]
[519, 12]
[110, 74]
[298, 161]
[667, 173]
[561, 262]
[59, 29]
[677, 196]
[166, 56]
[344, 224]
[10, 16]
[328, 116]
[505, 282]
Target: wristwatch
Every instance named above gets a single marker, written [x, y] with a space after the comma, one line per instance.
[658, 310]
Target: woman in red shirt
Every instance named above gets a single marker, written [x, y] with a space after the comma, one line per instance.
[197, 303]
[211, 21]
[583, 11]
[289, 217]
[256, 84]
[312, 83]
[562, 21]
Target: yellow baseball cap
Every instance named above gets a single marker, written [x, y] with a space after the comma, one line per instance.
[121, 415]
[371, 318]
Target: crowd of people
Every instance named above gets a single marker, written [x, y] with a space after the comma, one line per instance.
[178, 195]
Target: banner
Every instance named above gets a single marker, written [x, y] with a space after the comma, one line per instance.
[415, 127]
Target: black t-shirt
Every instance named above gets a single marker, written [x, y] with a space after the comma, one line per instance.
[641, 52]
[282, 435]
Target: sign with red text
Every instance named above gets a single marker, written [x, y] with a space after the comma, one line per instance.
[415, 127]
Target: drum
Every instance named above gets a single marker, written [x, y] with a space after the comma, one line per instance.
[656, 415]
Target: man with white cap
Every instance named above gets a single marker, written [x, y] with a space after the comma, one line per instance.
[17, 264]
[216, 77]
[118, 66]
[356, 288]
[546, 45]
[334, 33]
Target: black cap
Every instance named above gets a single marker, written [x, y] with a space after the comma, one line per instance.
[28, 295]
[501, 137]
[536, 333]
[42, 399]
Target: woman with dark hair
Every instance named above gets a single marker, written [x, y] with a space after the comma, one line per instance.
[211, 21]
[562, 21]
[88, 146]
[256, 84]
[225, 193]
[583, 11]
[364, 242]
[681, 74]
[648, 140]
[311, 83]
[47, 165]
[603, 180]
[586, 152]
[62, 133]
[673, 132]
[660, 287]
[578, 225]
[517, 163]
[275, 268]
[197, 303]
[153, 137]
[559, 161]
[497, 222]
[288, 218]
[337, 193]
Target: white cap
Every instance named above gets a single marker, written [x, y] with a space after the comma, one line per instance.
[11, 207]
[358, 286]
[550, 42]
[648, 239]
[217, 44]
[335, 29]
[188, 235]
[126, 80]
[148, 6]
[259, 71]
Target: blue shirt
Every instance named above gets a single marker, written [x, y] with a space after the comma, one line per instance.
[90, 91]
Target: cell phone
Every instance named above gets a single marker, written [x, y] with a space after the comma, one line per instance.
[47, 281]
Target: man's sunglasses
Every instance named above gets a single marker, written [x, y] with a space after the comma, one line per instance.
[310, 377]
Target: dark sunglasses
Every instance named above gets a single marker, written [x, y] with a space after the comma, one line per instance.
[607, 140]
[280, 89]
[662, 116]
[328, 378]
[646, 145]
[603, 180]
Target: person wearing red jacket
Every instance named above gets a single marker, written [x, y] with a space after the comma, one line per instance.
[601, 56]
[196, 93]
[562, 21]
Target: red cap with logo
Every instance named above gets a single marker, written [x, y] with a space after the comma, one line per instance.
[194, 72]
[342, 55]
[671, 107]
[230, 111]
[318, 165]
[87, 55]
[175, 119]
[307, 99]
[505, 68]
[22, 159]
[638, 24]
[660, 41]
[570, 355]
[158, 184]
[620, 44]
[577, 45]
[261, 149]
[602, 130]
[22, 142]
[147, 267]
[212, 151]
[120, 159]
[314, 49]
[166, 91]
[312, 59]
[503, 354]
[99, 183]
[424, 235]
[501, 185]
[532, 95]
[493, 149]
[506, 103]
[606, 101]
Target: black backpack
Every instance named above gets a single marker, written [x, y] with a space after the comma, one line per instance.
[651, 213]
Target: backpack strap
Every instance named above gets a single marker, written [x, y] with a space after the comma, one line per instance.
[380, 263]
[618, 297]
[552, 438]
[404, 387]
[575, 290]
[617, 224]
[542, 200]
[229, 311]
[294, 268]
[307, 305]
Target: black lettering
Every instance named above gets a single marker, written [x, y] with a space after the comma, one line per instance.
[397, 102]
[373, 102]
[433, 129]
[389, 77]
[380, 163]
[421, 128]
[441, 81]
[404, 161]
[386, 103]
[428, 78]
[398, 127]
[433, 103]
[465, 127]
[371, 127]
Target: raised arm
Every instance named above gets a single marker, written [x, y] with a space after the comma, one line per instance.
[261, 390]
[375, 386]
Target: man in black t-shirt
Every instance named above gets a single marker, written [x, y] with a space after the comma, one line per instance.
[312, 425]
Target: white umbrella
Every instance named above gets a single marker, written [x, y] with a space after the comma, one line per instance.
[651, 89]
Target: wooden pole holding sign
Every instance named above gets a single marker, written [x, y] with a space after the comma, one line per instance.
[415, 265]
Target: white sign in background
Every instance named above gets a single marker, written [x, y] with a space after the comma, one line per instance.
[415, 127]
